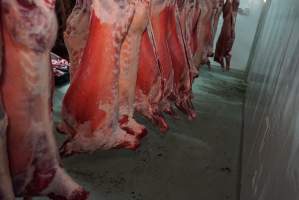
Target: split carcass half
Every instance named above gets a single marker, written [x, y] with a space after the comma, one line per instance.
[129, 62]
[189, 13]
[149, 86]
[158, 29]
[90, 109]
[182, 92]
[6, 189]
[227, 36]
[195, 15]
[76, 33]
[204, 33]
[216, 16]
[29, 29]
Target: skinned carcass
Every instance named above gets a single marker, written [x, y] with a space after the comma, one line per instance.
[182, 89]
[194, 14]
[158, 30]
[149, 86]
[227, 36]
[29, 29]
[6, 189]
[166, 35]
[216, 16]
[76, 33]
[90, 109]
[129, 62]
[188, 14]
[204, 33]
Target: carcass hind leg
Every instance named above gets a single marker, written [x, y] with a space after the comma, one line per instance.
[132, 127]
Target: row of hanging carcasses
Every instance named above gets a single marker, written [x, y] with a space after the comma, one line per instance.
[126, 56]
[141, 56]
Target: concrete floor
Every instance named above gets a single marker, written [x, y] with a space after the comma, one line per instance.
[196, 160]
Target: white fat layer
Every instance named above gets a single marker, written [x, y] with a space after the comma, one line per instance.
[104, 138]
[107, 125]
[111, 11]
[147, 104]
[142, 103]
[129, 59]
[107, 134]
[128, 74]
[31, 28]
[27, 95]
[62, 184]
[76, 34]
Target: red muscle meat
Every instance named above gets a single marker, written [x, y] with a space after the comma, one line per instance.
[149, 91]
[76, 33]
[129, 62]
[227, 36]
[158, 28]
[91, 105]
[29, 29]
[182, 92]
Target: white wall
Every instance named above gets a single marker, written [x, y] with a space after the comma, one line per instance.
[245, 32]
[271, 123]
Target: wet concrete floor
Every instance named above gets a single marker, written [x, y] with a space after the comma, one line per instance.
[195, 160]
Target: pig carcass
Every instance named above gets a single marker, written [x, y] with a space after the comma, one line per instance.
[90, 109]
[227, 36]
[29, 29]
